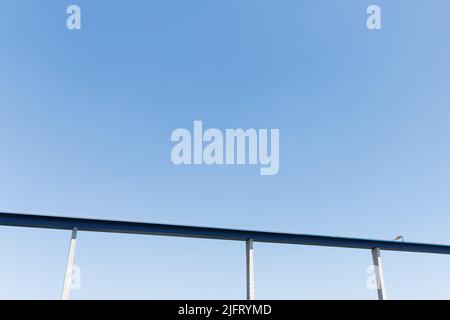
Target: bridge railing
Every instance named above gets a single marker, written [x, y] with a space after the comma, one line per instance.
[249, 237]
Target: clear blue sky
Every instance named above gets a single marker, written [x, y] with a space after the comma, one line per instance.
[86, 118]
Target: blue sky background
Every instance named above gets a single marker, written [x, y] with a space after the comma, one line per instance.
[86, 118]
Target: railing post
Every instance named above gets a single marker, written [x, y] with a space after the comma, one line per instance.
[250, 270]
[69, 268]
[381, 289]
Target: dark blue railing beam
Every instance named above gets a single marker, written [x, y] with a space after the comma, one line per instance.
[113, 226]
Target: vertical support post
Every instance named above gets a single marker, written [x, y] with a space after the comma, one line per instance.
[381, 289]
[69, 268]
[250, 271]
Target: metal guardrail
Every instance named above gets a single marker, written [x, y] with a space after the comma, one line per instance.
[128, 227]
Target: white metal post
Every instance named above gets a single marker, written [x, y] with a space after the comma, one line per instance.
[381, 289]
[69, 267]
[250, 271]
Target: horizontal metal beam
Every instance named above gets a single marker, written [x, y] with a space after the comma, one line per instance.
[114, 226]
